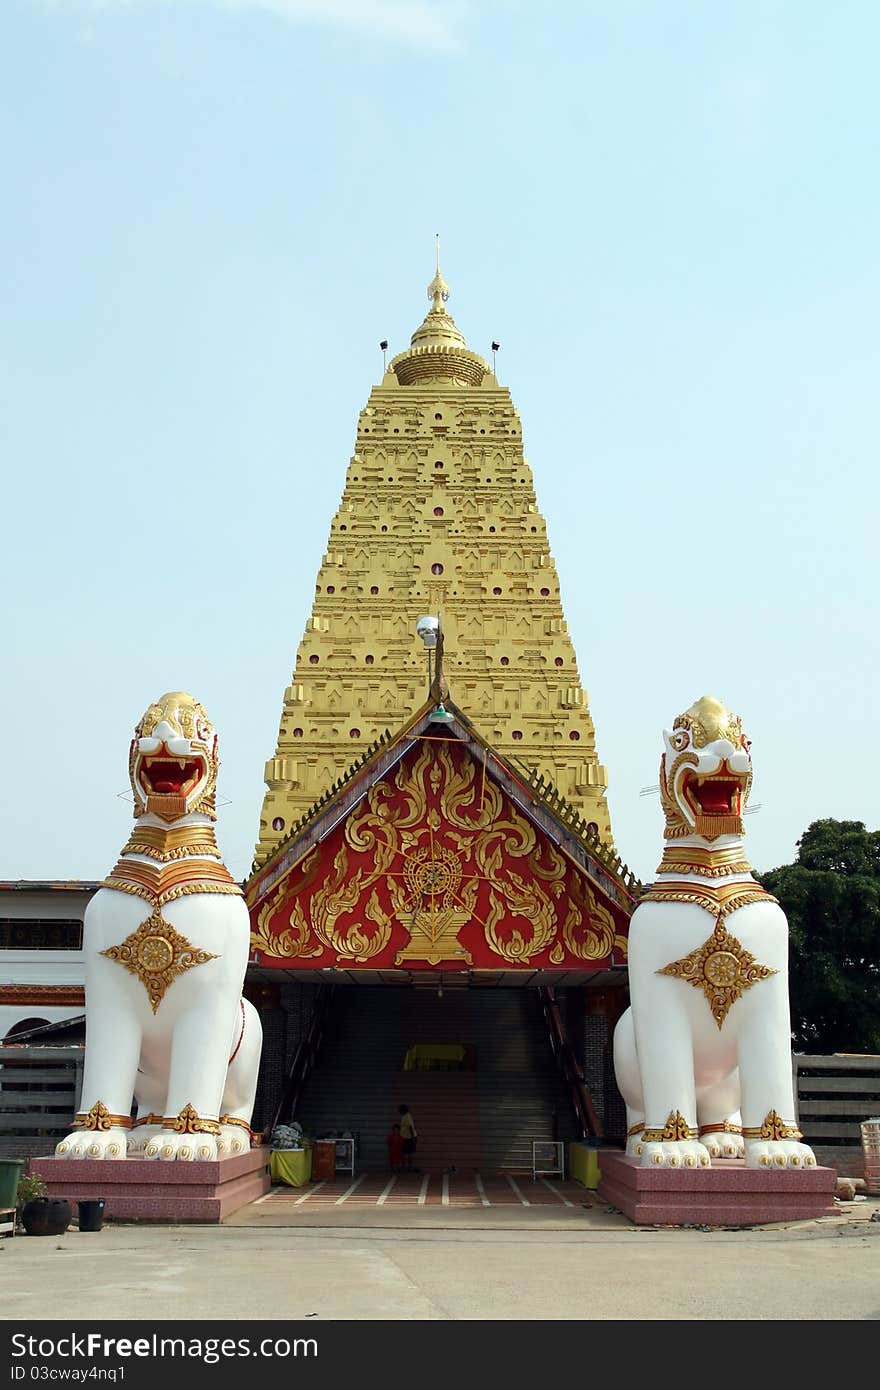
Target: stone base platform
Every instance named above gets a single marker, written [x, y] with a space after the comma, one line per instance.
[727, 1194]
[148, 1189]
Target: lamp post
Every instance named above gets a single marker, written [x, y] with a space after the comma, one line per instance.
[428, 628]
[431, 632]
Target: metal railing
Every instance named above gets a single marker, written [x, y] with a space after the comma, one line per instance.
[304, 1059]
[570, 1068]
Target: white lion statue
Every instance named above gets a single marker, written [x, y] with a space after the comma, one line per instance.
[703, 1055]
[166, 942]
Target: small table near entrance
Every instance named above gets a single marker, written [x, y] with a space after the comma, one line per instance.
[434, 1057]
[345, 1155]
[291, 1166]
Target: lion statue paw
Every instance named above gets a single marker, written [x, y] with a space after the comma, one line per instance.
[188, 1147]
[110, 1143]
[685, 1153]
[780, 1153]
[234, 1139]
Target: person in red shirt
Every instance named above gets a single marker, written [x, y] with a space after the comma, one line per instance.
[395, 1149]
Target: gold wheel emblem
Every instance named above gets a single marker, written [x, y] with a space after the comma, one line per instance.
[157, 954]
[433, 913]
[438, 876]
[722, 968]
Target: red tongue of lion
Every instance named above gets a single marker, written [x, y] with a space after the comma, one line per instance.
[169, 780]
[715, 797]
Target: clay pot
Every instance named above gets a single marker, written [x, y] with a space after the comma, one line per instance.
[45, 1216]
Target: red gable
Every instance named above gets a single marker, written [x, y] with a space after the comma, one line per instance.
[437, 862]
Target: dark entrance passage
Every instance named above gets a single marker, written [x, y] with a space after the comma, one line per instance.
[474, 1065]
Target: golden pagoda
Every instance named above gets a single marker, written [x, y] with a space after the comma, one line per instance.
[438, 516]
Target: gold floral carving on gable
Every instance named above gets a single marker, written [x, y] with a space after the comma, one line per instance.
[722, 968]
[158, 955]
[589, 929]
[293, 939]
[338, 897]
[432, 850]
[515, 897]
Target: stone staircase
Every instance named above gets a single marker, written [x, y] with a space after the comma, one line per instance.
[483, 1117]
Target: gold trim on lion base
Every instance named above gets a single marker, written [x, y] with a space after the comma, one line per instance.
[189, 1121]
[674, 1131]
[100, 1119]
[773, 1128]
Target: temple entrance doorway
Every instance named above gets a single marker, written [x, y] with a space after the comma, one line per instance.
[487, 1070]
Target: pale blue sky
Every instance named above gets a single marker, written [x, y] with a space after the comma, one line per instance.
[667, 214]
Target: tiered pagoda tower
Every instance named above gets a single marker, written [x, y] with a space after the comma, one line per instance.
[438, 516]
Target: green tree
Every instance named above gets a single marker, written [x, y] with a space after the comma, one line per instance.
[831, 896]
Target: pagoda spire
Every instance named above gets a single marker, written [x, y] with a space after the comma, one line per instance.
[439, 329]
[438, 290]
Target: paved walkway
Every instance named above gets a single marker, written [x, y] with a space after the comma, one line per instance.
[408, 1190]
[506, 1261]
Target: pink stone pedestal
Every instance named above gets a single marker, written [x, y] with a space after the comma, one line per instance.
[148, 1189]
[727, 1194]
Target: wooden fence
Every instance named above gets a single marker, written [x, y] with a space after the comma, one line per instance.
[833, 1095]
[39, 1096]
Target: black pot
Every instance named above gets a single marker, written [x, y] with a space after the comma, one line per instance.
[91, 1215]
[45, 1216]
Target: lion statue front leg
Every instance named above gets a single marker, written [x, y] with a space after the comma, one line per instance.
[103, 1122]
[201, 1020]
[770, 1134]
[240, 1091]
[673, 1140]
[719, 1117]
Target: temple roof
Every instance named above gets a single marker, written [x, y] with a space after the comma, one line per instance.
[543, 803]
[434, 853]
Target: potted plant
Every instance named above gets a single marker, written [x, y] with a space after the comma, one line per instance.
[40, 1214]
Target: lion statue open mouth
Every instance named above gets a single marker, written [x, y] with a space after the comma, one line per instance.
[703, 1055]
[166, 943]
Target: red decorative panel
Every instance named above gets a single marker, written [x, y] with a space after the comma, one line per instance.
[59, 996]
[438, 867]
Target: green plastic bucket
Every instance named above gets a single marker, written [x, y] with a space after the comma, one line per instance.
[10, 1172]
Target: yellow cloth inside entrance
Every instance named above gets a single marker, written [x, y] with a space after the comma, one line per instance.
[433, 1057]
[583, 1164]
[291, 1166]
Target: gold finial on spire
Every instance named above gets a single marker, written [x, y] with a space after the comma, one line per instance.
[438, 290]
[437, 349]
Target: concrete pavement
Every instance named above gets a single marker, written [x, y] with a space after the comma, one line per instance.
[583, 1263]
